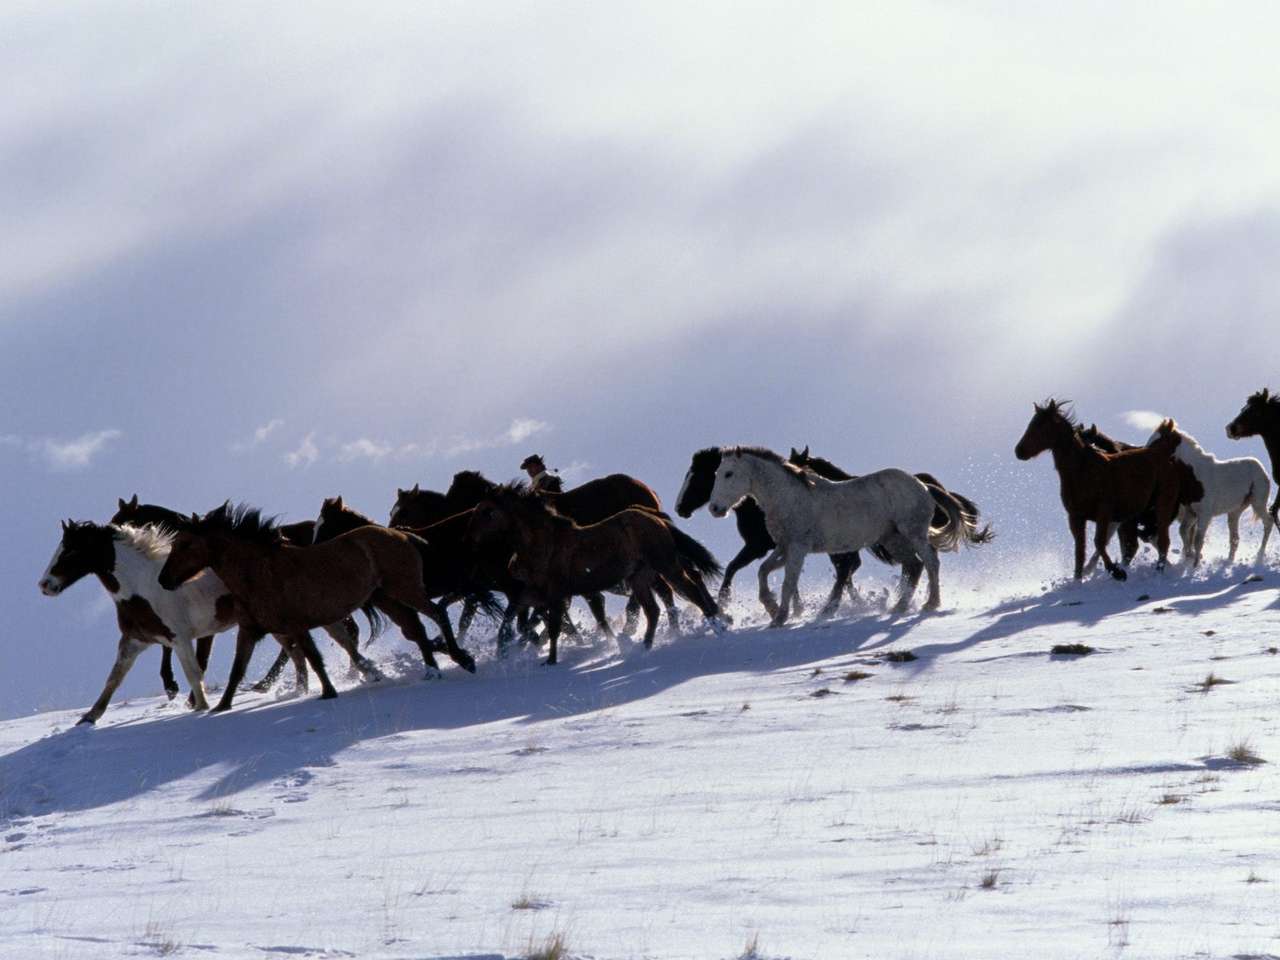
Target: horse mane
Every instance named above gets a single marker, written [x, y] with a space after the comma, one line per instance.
[708, 458]
[764, 453]
[523, 495]
[1265, 397]
[336, 503]
[1060, 408]
[242, 521]
[152, 540]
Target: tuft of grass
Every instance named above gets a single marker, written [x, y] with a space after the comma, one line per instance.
[745, 707]
[988, 847]
[1210, 681]
[898, 656]
[821, 692]
[1071, 650]
[989, 880]
[1169, 799]
[899, 698]
[853, 676]
[526, 902]
[1273, 650]
[1242, 752]
[1254, 878]
[554, 947]
[817, 672]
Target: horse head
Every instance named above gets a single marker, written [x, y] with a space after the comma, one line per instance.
[84, 548]
[1050, 421]
[1260, 412]
[698, 481]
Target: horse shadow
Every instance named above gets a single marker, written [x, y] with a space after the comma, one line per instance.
[272, 742]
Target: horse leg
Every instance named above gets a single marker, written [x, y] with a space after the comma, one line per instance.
[456, 653]
[345, 635]
[1077, 524]
[505, 630]
[1258, 499]
[1101, 536]
[696, 592]
[790, 585]
[911, 570]
[749, 553]
[1233, 530]
[596, 602]
[273, 672]
[774, 561]
[846, 564]
[194, 672]
[1187, 522]
[632, 615]
[553, 615]
[1128, 541]
[126, 653]
[663, 591]
[246, 640]
[465, 618]
[166, 673]
[404, 617]
[204, 647]
[307, 646]
[566, 620]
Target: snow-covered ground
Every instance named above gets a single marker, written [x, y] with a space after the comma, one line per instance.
[788, 788]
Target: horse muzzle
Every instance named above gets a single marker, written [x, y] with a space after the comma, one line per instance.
[1233, 432]
[1022, 454]
[717, 510]
[50, 587]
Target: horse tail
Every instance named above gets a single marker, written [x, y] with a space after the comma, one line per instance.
[961, 525]
[485, 602]
[694, 556]
[941, 495]
[377, 622]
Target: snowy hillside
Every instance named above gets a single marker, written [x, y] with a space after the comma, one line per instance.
[790, 789]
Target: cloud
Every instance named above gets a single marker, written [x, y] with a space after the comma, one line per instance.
[259, 437]
[1142, 419]
[522, 428]
[364, 448]
[75, 454]
[306, 453]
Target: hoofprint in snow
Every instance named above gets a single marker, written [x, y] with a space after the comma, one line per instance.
[790, 788]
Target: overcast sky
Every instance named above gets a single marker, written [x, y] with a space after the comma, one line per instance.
[277, 253]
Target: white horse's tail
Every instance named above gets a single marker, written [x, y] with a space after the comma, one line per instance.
[1257, 498]
[961, 526]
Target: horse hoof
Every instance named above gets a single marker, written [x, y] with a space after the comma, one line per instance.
[466, 662]
[220, 708]
[329, 695]
[86, 721]
[931, 606]
[1120, 575]
[261, 687]
[171, 692]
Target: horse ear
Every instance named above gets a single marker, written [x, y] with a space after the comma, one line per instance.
[195, 517]
[399, 494]
[337, 501]
[121, 502]
[134, 501]
[805, 452]
[66, 525]
[415, 488]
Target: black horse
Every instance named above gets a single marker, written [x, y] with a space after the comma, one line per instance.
[344, 633]
[756, 542]
[1260, 417]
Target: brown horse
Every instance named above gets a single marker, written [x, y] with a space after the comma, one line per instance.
[285, 589]
[1105, 487]
[557, 558]
[1260, 417]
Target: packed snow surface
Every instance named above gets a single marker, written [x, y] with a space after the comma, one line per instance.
[794, 792]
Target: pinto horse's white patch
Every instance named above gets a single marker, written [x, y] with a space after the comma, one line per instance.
[50, 585]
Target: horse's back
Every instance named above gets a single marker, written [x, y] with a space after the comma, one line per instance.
[597, 499]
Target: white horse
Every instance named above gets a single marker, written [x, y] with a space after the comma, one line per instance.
[1230, 486]
[807, 514]
[128, 560]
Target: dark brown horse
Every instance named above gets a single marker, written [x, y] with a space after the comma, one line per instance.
[284, 589]
[586, 503]
[1102, 487]
[1260, 417]
[1143, 527]
[557, 558]
[344, 633]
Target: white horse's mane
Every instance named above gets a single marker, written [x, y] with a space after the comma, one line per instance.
[153, 542]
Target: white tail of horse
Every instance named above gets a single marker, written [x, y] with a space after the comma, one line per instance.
[961, 526]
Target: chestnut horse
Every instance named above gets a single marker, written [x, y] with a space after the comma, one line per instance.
[281, 588]
[1102, 487]
[558, 558]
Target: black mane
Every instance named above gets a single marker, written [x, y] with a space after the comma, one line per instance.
[242, 521]
[1060, 408]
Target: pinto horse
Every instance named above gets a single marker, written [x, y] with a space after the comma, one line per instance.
[127, 560]
[343, 633]
[1260, 417]
[557, 558]
[281, 588]
[1105, 487]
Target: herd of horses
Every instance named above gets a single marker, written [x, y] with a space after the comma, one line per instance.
[177, 580]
